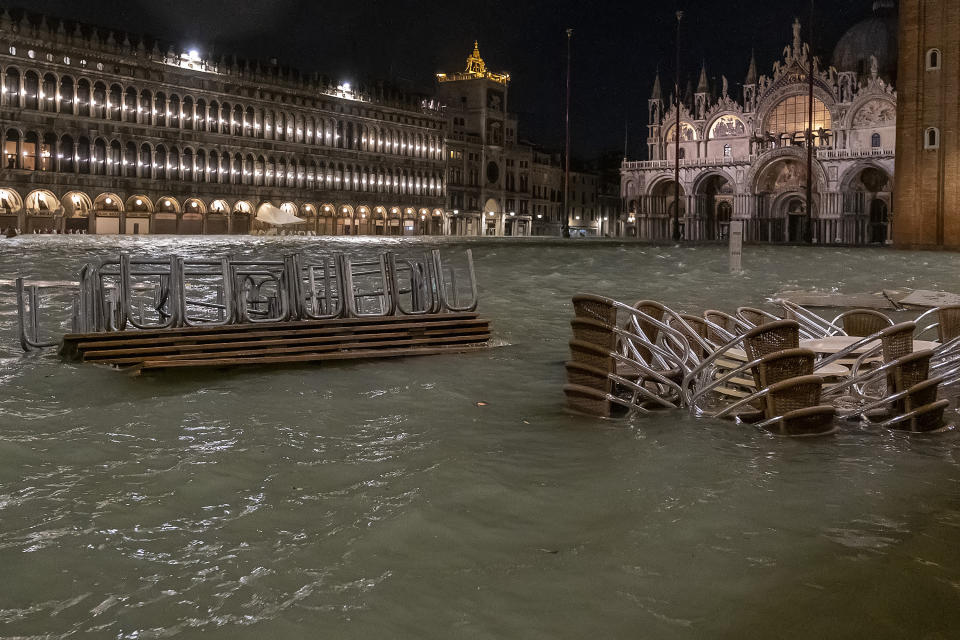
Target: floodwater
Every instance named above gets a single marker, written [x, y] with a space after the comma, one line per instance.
[378, 500]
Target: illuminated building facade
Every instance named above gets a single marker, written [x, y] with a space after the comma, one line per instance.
[928, 127]
[746, 159]
[496, 185]
[105, 132]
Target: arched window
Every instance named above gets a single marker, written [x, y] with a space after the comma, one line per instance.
[875, 141]
[931, 138]
[683, 153]
[727, 151]
[790, 116]
[933, 59]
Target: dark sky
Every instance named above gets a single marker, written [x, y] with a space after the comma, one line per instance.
[616, 47]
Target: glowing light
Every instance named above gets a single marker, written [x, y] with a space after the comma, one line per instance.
[138, 202]
[110, 201]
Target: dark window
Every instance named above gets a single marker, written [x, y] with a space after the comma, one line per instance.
[875, 141]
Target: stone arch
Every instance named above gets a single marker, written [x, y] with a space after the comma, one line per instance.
[41, 202]
[191, 220]
[108, 202]
[10, 201]
[138, 204]
[76, 204]
[778, 155]
[194, 205]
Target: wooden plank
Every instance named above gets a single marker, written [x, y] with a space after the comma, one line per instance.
[270, 335]
[150, 365]
[279, 341]
[338, 347]
[267, 326]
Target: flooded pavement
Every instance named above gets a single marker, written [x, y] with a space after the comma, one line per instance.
[384, 499]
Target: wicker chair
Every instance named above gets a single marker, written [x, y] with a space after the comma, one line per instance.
[595, 332]
[586, 375]
[723, 320]
[755, 317]
[897, 340]
[651, 331]
[656, 311]
[700, 330]
[588, 401]
[948, 322]
[908, 378]
[783, 365]
[924, 419]
[595, 308]
[792, 408]
[862, 322]
[771, 337]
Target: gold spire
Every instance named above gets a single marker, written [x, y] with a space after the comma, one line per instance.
[475, 63]
[476, 68]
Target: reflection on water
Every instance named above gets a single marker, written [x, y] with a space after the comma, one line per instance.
[379, 500]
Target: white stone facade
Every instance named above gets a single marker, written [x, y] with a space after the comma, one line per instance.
[747, 159]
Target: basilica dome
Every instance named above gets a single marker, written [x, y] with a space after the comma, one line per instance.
[876, 36]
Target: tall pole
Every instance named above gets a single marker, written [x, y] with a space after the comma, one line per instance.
[676, 137]
[808, 227]
[566, 179]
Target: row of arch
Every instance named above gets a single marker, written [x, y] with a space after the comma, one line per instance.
[41, 211]
[75, 203]
[82, 97]
[48, 151]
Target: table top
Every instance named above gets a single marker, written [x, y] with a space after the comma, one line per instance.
[831, 370]
[834, 344]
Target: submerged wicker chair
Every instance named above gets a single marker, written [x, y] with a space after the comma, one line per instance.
[924, 419]
[770, 338]
[862, 322]
[730, 325]
[755, 317]
[697, 334]
[948, 323]
[783, 365]
[792, 408]
[595, 308]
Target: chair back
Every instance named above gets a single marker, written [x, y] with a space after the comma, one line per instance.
[897, 341]
[922, 393]
[783, 365]
[948, 322]
[593, 355]
[792, 394]
[595, 332]
[699, 327]
[585, 375]
[771, 337]
[864, 322]
[656, 311]
[595, 308]
[910, 370]
[754, 317]
[722, 320]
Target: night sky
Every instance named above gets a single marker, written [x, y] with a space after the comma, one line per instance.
[617, 46]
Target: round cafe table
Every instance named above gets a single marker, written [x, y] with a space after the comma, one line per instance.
[832, 370]
[835, 344]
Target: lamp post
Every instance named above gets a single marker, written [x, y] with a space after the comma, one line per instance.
[566, 178]
[808, 227]
[676, 137]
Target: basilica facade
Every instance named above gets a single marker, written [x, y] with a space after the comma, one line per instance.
[745, 157]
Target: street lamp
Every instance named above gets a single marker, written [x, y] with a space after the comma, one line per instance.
[676, 137]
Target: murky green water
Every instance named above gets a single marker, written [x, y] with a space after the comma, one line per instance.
[376, 500]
